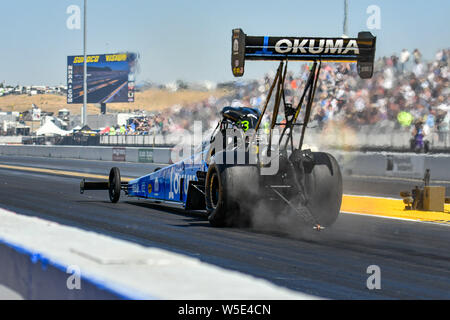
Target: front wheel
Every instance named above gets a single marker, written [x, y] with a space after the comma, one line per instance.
[114, 185]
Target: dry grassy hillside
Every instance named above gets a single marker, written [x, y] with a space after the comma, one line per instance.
[152, 99]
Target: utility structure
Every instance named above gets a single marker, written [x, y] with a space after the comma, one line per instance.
[84, 108]
[427, 198]
[345, 26]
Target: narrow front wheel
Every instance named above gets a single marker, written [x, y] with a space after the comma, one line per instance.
[114, 185]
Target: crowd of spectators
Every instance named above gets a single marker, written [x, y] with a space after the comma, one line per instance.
[172, 120]
[403, 90]
[394, 96]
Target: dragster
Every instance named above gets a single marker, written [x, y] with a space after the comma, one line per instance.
[231, 172]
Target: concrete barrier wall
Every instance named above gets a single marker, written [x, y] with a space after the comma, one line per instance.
[10, 139]
[40, 259]
[404, 165]
[439, 165]
[149, 155]
[32, 276]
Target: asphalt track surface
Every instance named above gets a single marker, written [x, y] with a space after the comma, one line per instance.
[414, 257]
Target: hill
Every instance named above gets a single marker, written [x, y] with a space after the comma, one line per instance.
[149, 100]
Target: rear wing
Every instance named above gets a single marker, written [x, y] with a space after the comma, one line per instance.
[360, 50]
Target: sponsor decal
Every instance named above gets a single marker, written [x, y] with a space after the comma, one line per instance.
[89, 59]
[405, 166]
[116, 57]
[69, 83]
[316, 46]
[156, 185]
[119, 154]
[238, 70]
[145, 155]
[236, 46]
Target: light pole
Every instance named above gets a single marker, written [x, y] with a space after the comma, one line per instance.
[84, 109]
[345, 27]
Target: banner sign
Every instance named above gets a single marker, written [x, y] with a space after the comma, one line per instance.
[145, 155]
[119, 154]
[110, 78]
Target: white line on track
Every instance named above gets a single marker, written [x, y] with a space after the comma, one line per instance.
[396, 218]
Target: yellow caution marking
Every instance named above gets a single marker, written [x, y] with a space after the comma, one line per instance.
[391, 208]
[61, 172]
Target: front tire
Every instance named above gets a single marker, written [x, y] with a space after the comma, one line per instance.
[114, 185]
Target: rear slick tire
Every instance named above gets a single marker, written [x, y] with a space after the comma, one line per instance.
[215, 197]
[324, 189]
[230, 192]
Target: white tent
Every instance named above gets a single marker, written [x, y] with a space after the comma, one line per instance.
[50, 129]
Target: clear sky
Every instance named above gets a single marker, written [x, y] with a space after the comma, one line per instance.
[190, 40]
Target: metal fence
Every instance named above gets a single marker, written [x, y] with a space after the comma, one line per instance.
[140, 140]
[365, 139]
[73, 140]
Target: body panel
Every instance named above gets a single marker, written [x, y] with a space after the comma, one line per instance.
[170, 183]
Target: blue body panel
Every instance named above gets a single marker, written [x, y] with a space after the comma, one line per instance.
[170, 183]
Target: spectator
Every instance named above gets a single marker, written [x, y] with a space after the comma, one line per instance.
[404, 58]
[417, 56]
